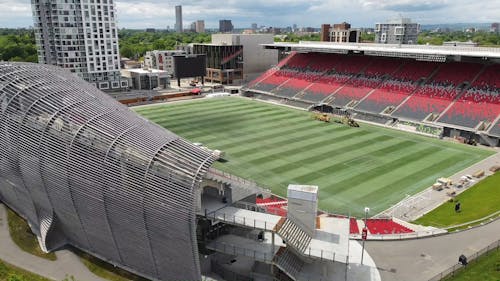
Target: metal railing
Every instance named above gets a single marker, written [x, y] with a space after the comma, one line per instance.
[242, 220]
[212, 172]
[457, 268]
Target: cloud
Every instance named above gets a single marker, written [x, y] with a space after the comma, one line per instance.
[15, 13]
[405, 5]
[360, 13]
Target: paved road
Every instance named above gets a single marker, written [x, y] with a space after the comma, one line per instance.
[67, 263]
[422, 259]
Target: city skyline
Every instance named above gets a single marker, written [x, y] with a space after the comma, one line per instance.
[282, 13]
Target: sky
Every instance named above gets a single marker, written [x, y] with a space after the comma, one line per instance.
[279, 13]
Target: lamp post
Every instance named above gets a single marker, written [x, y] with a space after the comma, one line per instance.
[364, 233]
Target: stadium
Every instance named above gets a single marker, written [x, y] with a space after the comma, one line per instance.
[331, 129]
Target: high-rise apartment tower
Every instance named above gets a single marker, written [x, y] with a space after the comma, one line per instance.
[80, 36]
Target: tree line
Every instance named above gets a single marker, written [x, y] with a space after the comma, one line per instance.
[19, 44]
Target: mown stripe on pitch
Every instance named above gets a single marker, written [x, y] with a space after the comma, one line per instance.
[336, 168]
[336, 144]
[293, 132]
[320, 143]
[177, 111]
[399, 173]
[216, 108]
[270, 135]
[274, 122]
[390, 188]
[271, 122]
[200, 117]
[284, 150]
[194, 103]
[381, 170]
[330, 153]
[289, 139]
[209, 124]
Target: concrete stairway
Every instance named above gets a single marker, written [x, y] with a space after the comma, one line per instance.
[288, 262]
[293, 235]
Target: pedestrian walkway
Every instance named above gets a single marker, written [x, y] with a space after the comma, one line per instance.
[67, 263]
[422, 259]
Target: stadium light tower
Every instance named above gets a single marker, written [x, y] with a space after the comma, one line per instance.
[364, 233]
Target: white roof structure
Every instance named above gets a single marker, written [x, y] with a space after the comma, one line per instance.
[422, 52]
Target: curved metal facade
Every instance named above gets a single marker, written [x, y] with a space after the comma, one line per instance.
[87, 171]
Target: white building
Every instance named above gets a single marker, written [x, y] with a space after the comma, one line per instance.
[142, 79]
[81, 36]
[162, 60]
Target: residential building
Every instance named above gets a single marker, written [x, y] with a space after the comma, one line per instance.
[339, 33]
[399, 31]
[178, 19]
[80, 36]
[225, 26]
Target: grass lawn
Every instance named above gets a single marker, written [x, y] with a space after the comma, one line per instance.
[486, 268]
[479, 201]
[12, 273]
[106, 270]
[23, 237]
[276, 146]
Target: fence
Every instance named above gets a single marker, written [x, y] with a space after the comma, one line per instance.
[457, 268]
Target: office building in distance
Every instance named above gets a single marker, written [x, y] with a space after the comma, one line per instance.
[178, 19]
[200, 26]
[81, 37]
[225, 26]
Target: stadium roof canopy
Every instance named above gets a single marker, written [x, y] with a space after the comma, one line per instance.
[419, 52]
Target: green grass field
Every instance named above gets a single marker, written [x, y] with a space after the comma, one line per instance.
[478, 202]
[275, 146]
[9, 272]
[485, 268]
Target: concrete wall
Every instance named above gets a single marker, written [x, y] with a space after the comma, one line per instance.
[303, 207]
[255, 58]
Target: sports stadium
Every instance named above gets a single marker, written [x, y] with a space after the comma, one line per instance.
[269, 185]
